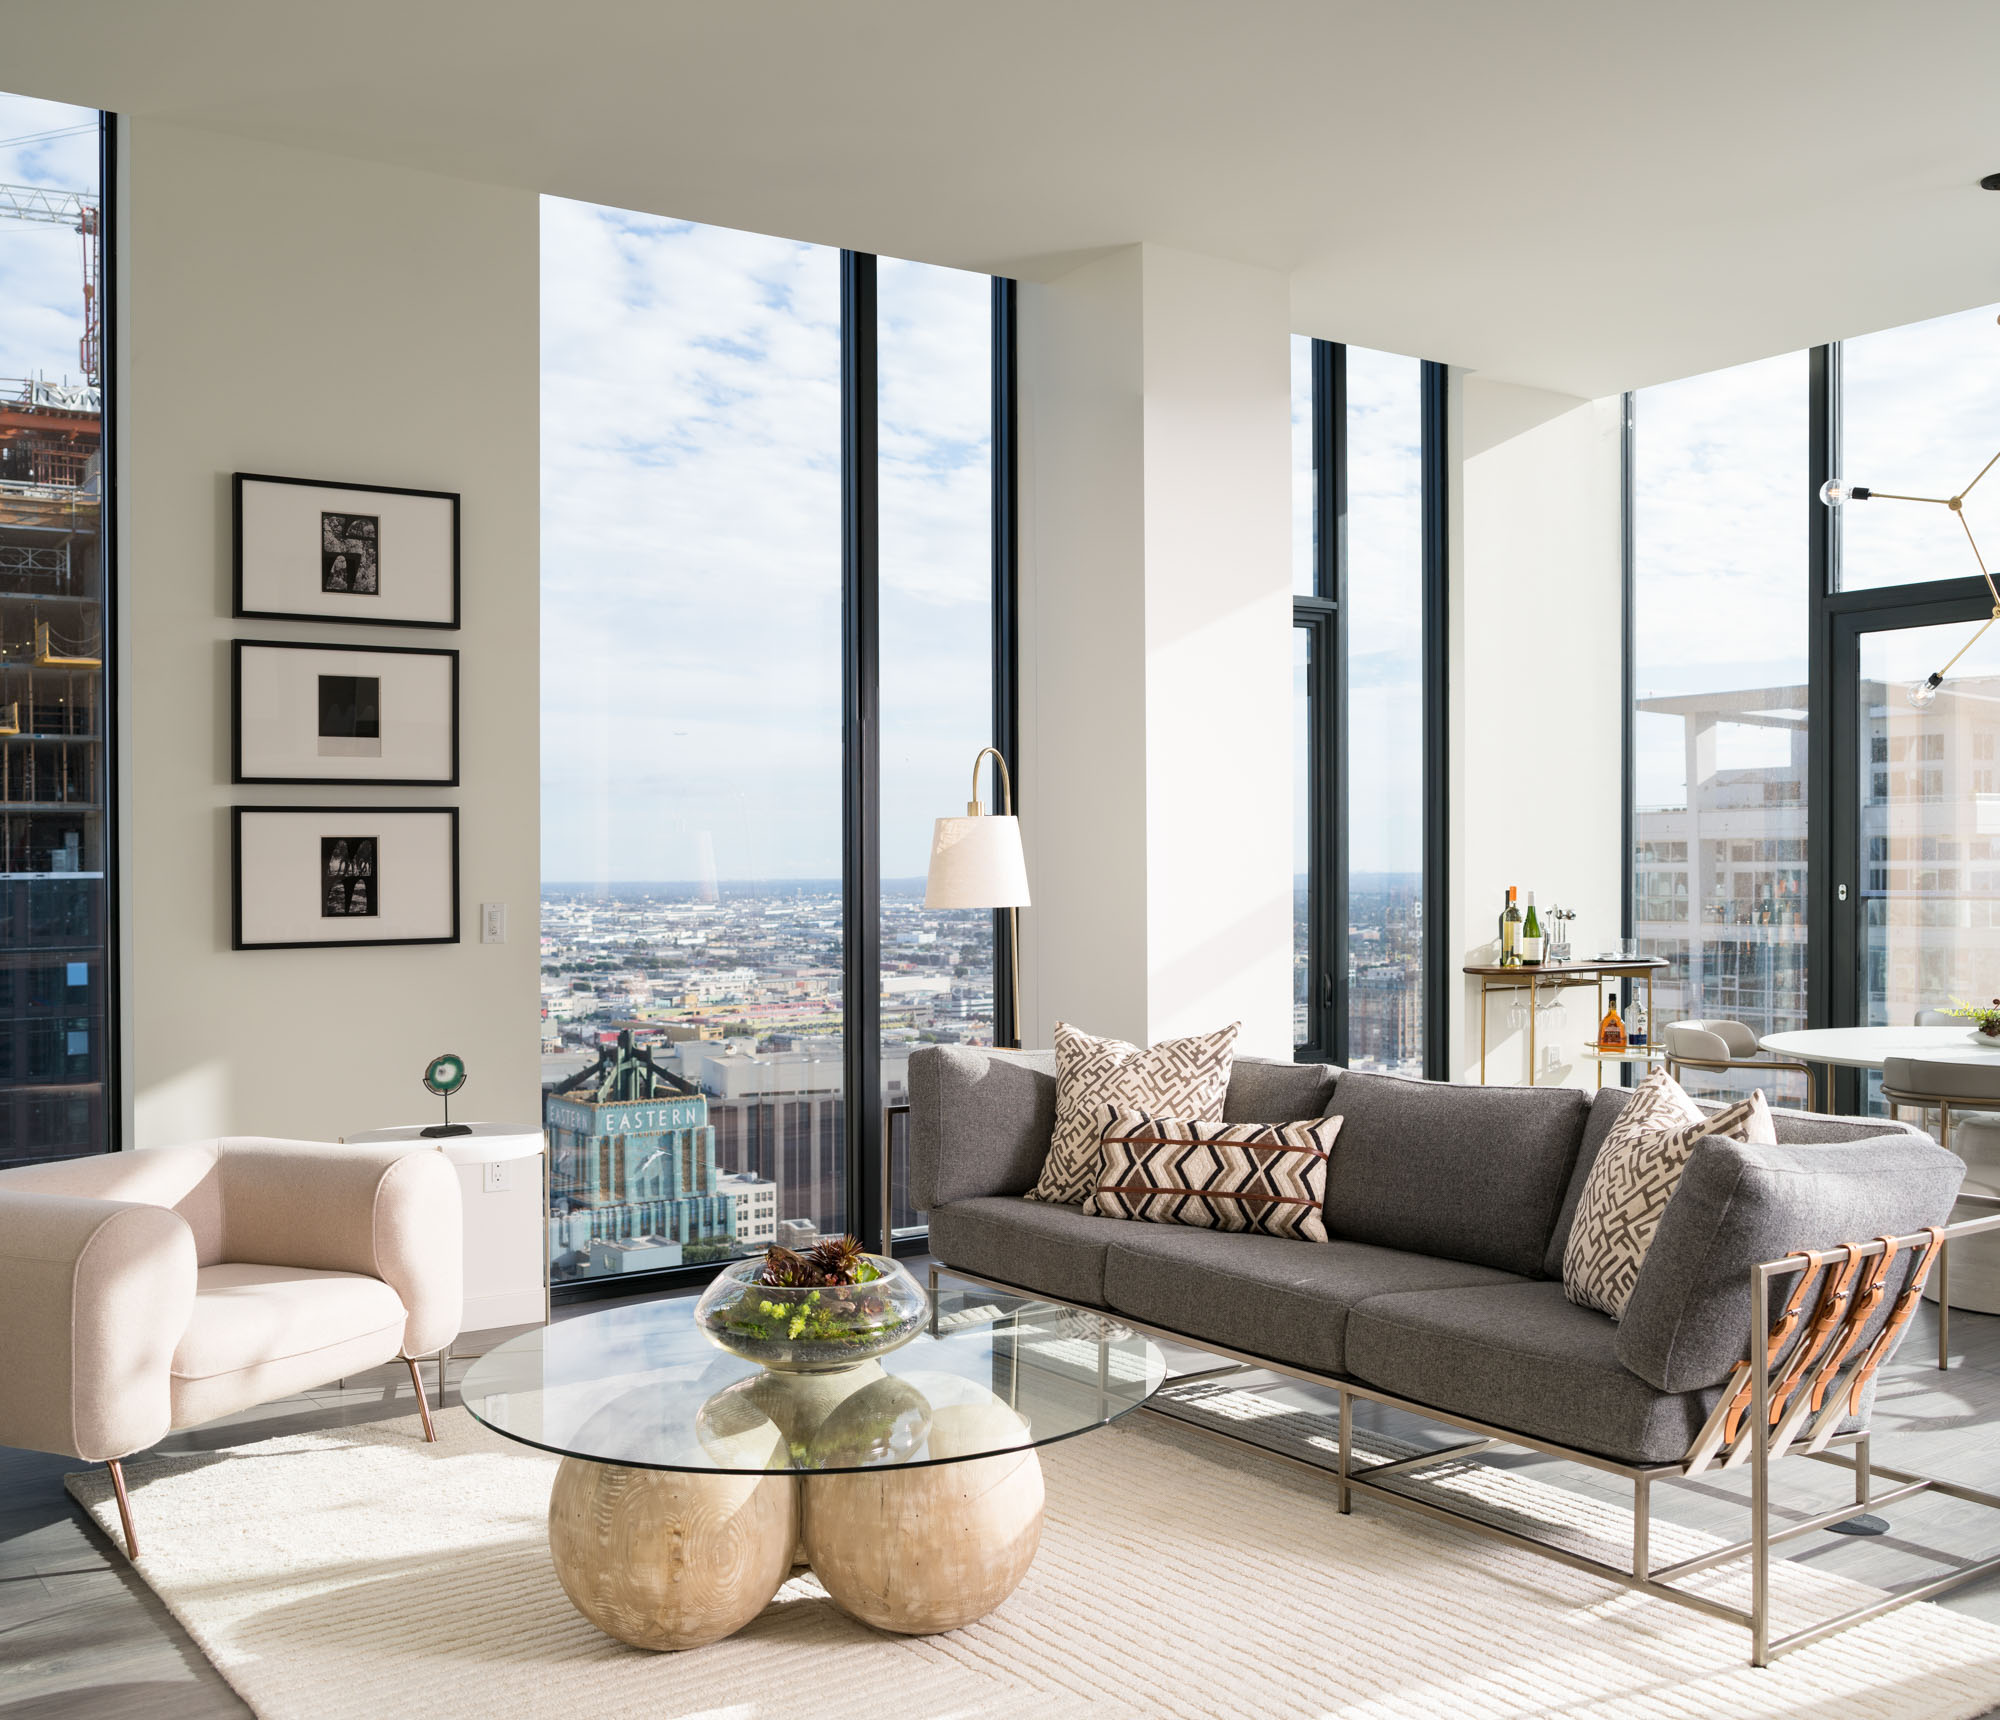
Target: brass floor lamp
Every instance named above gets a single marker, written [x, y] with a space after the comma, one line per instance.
[976, 862]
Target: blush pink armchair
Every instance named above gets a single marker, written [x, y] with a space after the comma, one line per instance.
[147, 1291]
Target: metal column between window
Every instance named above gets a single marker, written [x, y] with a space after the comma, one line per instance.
[112, 1053]
[1326, 704]
[861, 736]
[1005, 458]
[1439, 968]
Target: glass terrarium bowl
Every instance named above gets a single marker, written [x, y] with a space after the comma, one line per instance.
[817, 1330]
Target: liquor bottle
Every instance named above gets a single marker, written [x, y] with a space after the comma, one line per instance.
[1635, 1027]
[1611, 1030]
[1531, 935]
[1510, 932]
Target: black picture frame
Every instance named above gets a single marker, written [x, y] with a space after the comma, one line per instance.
[238, 611]
[238, 646]
[237, 815]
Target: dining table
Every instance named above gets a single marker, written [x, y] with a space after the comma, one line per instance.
[1869, 1047]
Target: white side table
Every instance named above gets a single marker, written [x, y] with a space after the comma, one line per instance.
[502, 1181]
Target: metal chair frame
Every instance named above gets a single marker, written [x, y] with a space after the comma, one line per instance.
[1674, 1065]
[1847, 1451]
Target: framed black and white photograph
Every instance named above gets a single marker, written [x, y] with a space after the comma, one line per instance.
[301, 712]
[320, 875]
[307, 550]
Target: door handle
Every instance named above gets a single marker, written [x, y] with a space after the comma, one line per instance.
[1840, 893]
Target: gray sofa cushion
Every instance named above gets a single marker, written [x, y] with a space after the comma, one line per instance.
[1794, 1128]
[1262, 1090]
[1265, 1295]
[1524, 1357]
[980, 1122]
[1055, 1250]
[1688, 1322]
[1464, 1173]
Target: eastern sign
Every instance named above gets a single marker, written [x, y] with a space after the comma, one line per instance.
[650, 1117]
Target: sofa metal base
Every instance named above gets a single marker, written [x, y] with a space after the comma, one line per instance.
[1849, 1451]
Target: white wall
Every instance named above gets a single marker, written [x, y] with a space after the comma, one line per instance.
[1156, 649]
[1537, 691]
[311, 316]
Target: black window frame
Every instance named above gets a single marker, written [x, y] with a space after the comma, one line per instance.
[1321, 614]
[1836, 620]
[861, 764]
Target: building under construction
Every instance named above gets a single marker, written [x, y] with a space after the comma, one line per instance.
[53, 786]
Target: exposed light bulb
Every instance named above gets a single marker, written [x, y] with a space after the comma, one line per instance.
[1924, 694]
[1838, 490]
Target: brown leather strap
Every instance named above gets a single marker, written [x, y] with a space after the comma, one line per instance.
[1861, 1308]
[1899, 1317]
[1781, 1330]
[1828, 1315]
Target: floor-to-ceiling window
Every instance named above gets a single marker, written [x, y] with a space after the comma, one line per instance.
[1919, 415]
[1777, 641]
[721, 596]
[1719, 469]
[1367, 481]
[935, 352]
[56, 982]
[1383, 622]
[691, 706]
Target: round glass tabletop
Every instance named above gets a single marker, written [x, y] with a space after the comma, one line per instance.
[641, 1386]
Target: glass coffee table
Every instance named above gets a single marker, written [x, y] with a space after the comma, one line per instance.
[693, 1482]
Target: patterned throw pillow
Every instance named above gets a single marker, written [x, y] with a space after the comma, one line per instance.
[1637, 1170]
[1177, 1078]
[1264, 1177]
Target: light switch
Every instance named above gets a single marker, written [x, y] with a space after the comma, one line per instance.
[492, 922]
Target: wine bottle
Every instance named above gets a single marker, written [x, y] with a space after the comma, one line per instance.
[1510, 932]
[1531, 935]
[1611, 1030]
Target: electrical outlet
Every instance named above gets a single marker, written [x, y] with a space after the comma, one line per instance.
[492, 922]
[499, 1177]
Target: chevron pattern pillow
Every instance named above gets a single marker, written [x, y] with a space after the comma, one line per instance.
[1269, 1178]
[1177, 1078]
[1634, 1176]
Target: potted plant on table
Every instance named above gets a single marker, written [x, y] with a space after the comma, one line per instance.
[1984, 1016]
[832, 1307]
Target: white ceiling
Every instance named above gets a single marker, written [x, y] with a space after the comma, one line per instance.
[1582, 195]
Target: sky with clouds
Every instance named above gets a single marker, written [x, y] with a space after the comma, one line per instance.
[41, 265]
[691, 550]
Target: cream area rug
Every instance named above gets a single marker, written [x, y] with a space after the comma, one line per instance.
[361, 1574]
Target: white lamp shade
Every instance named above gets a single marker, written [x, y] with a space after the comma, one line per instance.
[977, 863]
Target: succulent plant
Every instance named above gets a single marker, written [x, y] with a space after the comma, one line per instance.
[840, 1258]
[784, 1269]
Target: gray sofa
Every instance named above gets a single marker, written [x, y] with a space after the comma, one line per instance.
[1448, 1208]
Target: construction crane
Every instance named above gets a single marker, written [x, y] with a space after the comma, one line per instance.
[82, 212]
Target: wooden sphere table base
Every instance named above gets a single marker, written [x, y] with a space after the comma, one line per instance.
[670, 1559]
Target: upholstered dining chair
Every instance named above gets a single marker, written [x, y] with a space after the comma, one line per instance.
[1964, 1096]
[1719, 1045]
[154, 1290]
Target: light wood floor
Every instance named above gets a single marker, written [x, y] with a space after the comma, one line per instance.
[81, 1638]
